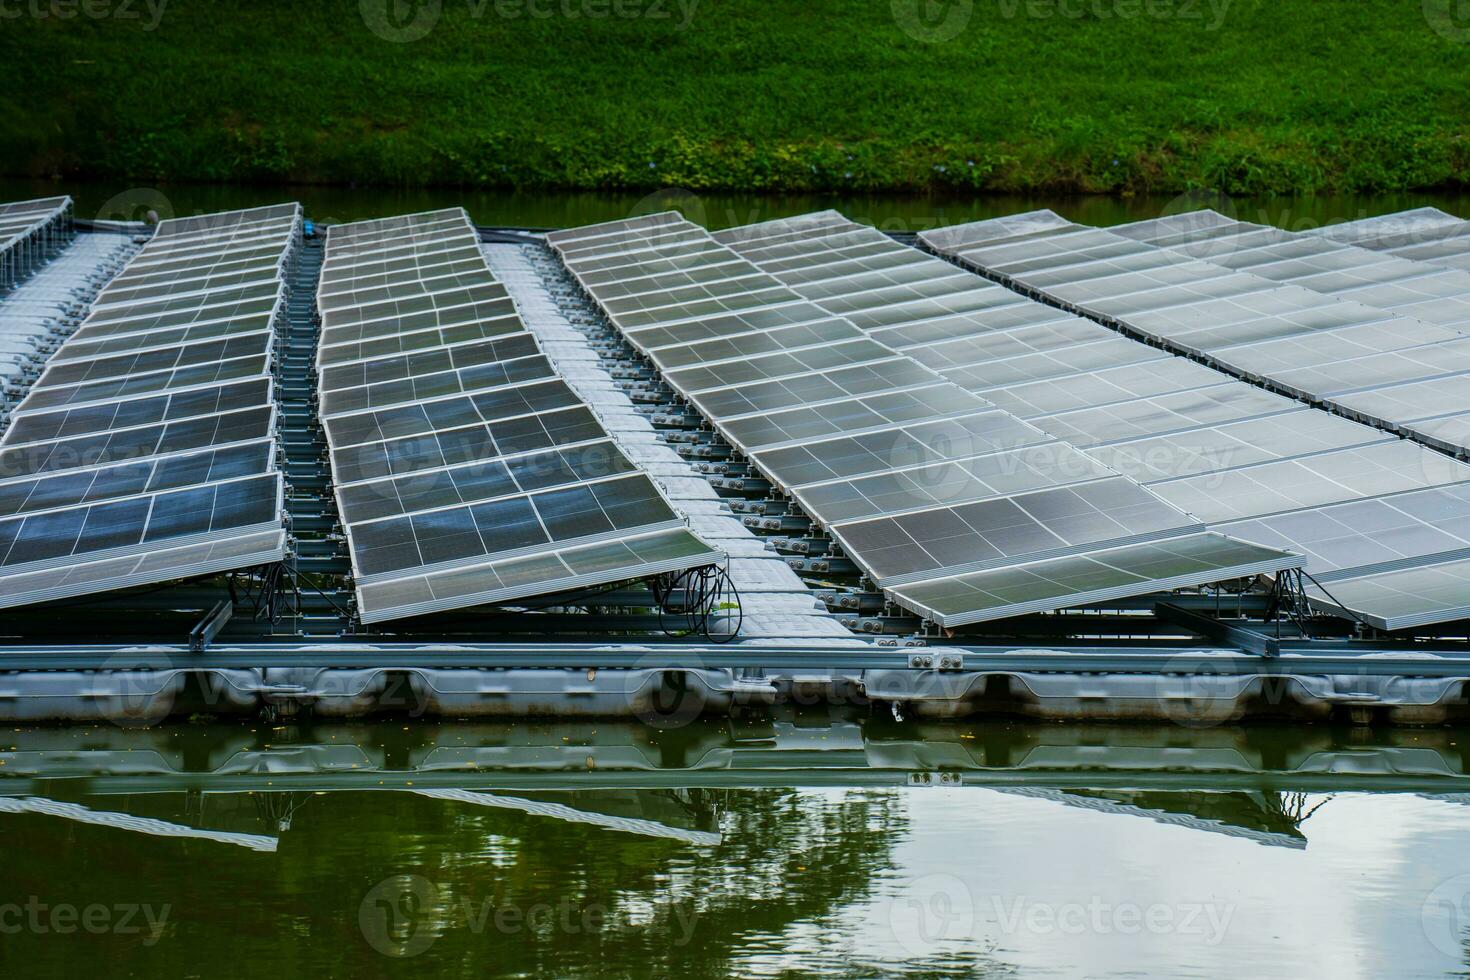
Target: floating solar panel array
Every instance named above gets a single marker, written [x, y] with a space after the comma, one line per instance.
[957, 509]
[466, 470]
[30, 232]
[1382, 521]
[146, 450]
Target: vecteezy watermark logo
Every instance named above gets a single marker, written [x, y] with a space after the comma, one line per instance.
[931, 911]
[932, 21]
[680, 199]
[401, 21]
[1445, 917]
[1206, 921]
[40, 918]
[147, 204]
[1197, 690]
[669, 698]
[87, 9]
[1449, 19]
[404, 916]
[394, 915]
[136, 689]
[1196, 225]
[940, 909]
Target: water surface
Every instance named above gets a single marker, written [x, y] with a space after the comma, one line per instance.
[542, 209]
[807, 846]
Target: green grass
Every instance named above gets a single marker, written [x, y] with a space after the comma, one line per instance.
[1283, 96]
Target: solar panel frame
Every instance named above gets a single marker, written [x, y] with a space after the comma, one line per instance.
[434, 398]
[835, 433]
[135, 459]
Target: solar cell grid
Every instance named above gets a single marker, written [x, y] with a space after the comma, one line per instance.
[206, 373]
[921, 444]
[134, 479]
[1044, 524]
[82, 347]
[720, 349]
[852, 416]
[1331, 492]
[152, 427]
[503, 477]
[837, 384]
[652, 337]
[779, 365]
[466, 470]
[703, 308]
[931, 485]
[1094, 577]
[862, 448]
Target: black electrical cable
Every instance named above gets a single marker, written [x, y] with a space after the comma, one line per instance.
[709, 593]
[1361, 621]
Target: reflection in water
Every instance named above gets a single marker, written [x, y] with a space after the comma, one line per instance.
[800, 846]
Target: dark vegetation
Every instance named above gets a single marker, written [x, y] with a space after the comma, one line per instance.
[1246, 96]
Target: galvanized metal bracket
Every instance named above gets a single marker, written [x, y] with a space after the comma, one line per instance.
[209, 627]
[1219, 631]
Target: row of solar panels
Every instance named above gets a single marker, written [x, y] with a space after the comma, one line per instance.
[146, 450]
[789, 343]
[467, 470]
[29, 232]
[1384, 522]
[978, 453]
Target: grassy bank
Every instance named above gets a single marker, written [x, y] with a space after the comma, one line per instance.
[1248, 96]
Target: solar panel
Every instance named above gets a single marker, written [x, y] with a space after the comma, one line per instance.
[914, 477]
[1094, 577]
[1191, 452]
[1312, 481]
[1403, 357]
[146, 450]
[1264, 304]
[466, 470]
[1423, 235]
[1381, 534]
[1402, 599]
[1360, 504]
[1155, 418]
[1047, 523]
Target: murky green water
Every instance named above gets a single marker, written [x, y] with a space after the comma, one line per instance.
[561, 210]
[811, 846]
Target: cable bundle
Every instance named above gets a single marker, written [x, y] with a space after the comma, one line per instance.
[709, 593]
[266, 596]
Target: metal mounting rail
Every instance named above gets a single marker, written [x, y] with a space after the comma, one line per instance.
[313, 509]
[1295, 659]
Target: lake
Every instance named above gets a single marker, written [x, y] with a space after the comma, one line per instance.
[715, 210]
[813, 844]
